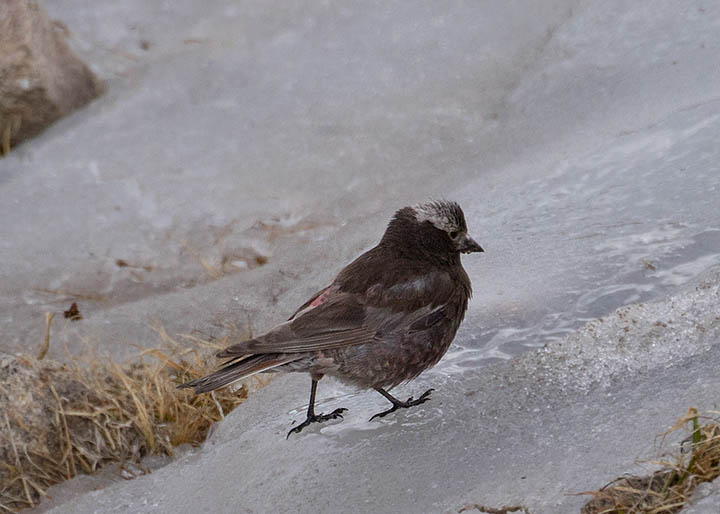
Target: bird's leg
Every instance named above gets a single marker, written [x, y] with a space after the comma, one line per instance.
[397, 404]
[311, 416]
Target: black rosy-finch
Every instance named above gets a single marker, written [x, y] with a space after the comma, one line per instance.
[388, 316]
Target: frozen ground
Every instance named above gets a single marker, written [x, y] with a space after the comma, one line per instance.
[246, 150]
[533, 430]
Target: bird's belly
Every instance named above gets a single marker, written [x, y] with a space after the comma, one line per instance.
[390, 360]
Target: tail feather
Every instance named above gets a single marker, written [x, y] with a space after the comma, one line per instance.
[237, 371]
[236, 350]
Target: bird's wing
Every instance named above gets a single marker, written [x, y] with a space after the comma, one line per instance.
[314, 301]
[402, 305]
[337, 321]
[334, 318]
[440, 315]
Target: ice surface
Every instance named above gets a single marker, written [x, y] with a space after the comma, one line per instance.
[609, 228]
[242, 114]
[245, 151]
[533, 430]
[237, 115]
[705, 500]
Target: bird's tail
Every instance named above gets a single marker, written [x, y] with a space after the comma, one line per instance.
[237, 371]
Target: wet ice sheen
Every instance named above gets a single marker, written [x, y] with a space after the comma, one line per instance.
[533, 430]
[597, 234]
[580, 137]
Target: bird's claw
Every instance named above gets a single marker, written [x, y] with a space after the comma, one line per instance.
[424, 397]
[384, 413]
[337, 413]
[317, 418]
[410, 402]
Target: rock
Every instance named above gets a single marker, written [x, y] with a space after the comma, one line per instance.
[41, 79]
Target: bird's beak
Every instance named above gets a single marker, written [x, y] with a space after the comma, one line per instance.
[468, 245]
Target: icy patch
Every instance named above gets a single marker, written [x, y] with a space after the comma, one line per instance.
[634, 340]
[705, 499]
[579, 137]
[627, 222]
[492, 435]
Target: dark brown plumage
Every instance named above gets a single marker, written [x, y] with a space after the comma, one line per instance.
[388, 316]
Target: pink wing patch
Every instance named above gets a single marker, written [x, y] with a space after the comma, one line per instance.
[320, 299]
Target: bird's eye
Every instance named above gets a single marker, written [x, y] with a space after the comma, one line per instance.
[454, 234]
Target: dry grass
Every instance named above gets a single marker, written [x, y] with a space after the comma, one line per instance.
[98, 412]
[9, 126]
[505, 509]
[666, 490]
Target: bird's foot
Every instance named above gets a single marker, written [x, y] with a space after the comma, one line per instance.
[397, 404]
[317, 418]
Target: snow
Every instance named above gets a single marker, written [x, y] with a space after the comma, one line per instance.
[580, 138]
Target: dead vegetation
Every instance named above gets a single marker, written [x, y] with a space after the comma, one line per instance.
[666, 490]
[505, 509]
[63, 419]
[9, 127]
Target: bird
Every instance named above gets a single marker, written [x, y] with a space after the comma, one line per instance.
[386, 317]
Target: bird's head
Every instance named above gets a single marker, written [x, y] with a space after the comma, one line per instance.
[437, 228]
